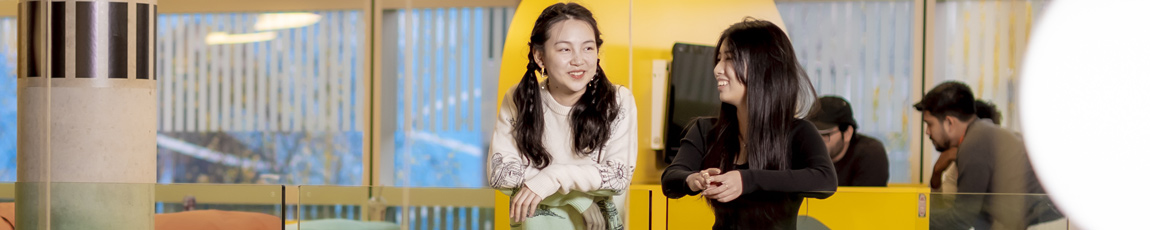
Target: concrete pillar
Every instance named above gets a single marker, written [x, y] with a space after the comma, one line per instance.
[87, 114]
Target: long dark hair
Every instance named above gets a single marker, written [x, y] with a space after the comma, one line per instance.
[778, 93]
[590, 117]
[987, 110]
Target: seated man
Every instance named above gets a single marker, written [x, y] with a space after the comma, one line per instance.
[945, 177]
[990, 159]
[859, 160]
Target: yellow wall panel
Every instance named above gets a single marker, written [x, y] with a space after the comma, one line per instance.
[872, 208]
[648, 29]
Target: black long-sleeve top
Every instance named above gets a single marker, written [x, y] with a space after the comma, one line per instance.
[770, 198]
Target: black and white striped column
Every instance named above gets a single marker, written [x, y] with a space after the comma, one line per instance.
[87, 114]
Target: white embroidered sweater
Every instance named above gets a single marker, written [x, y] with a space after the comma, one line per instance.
[507, 169]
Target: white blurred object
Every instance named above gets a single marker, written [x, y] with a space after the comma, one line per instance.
[279, 21]
[223, 38]
[269, 179]
[1083, 104]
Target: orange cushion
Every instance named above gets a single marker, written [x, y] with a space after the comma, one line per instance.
[216, 219]
[8, 214]
[199, 220]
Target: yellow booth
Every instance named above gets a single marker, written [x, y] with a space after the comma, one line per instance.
[638, 32]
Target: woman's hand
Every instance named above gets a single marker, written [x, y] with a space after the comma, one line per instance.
[702, 179]
[594, 218]
[730, 187]
[523, 204]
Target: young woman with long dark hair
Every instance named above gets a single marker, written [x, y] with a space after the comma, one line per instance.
[565, 146]
[757, 161]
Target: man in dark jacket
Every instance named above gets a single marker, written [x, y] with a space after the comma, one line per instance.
[859, 160]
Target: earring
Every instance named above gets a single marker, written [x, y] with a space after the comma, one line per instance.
[592, 85]
[542, 71]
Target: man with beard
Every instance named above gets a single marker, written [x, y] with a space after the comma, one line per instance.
[990, 159]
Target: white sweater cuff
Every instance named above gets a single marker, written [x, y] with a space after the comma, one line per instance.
[542, 184]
